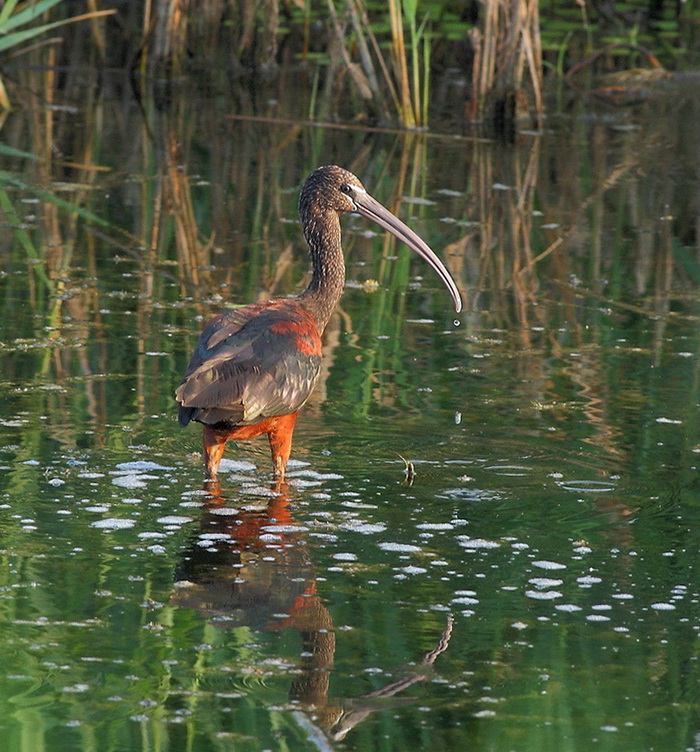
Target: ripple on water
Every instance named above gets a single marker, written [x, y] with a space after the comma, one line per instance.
[544, 564]
[470, 494]
[236, 466]
[587, 580]
[285, 528]
[404, 548]
[135, 480]
[314, 475]
[174, 519]
[140, 466]
[358, 505]
[586, 486]
[365, 528]
[412, 570]
[473, 543]
[113, 523]
[263, 491]
[543, 595]
[544, 582]
[464, 601]
[515, 471]
[435, 526]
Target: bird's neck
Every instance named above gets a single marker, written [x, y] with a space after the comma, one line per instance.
[322, 233]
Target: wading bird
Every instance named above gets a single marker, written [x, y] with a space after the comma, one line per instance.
[255, 366]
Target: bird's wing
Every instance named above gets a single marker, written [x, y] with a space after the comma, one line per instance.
[251, 363]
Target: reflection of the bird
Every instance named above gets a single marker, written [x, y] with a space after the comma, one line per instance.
[250, 565]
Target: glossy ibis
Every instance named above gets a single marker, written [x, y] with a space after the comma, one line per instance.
[255, 366]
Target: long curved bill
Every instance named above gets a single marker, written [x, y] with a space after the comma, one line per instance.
[372, 209]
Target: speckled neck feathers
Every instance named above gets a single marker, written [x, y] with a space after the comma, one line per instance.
[320, 219]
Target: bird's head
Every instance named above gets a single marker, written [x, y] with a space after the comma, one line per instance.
[332, 189]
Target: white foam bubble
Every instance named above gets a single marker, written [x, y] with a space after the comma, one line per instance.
[399, 547]
[114, 523]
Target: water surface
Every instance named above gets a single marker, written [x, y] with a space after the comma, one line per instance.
[533, 587]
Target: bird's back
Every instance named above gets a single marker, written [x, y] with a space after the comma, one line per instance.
[251, 363]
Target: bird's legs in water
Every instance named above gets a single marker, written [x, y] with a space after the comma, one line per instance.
[279, 430]
[214, 443]
[280, 437]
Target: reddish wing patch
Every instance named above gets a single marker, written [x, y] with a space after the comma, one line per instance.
[305, 335]
[251, 362]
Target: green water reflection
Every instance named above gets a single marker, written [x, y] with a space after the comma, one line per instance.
[535, 587]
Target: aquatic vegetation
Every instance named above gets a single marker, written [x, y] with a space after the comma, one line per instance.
[17, 27]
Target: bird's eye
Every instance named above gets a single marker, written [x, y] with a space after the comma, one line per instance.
[345, 188]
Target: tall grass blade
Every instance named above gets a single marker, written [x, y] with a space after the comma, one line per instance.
[11, 40]
[10, 151]
[398, 49]
[6, 11]
[24, 16]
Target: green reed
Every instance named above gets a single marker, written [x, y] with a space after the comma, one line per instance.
[17, 27]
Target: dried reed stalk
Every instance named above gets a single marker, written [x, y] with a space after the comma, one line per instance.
[400, 65]
[507, 72]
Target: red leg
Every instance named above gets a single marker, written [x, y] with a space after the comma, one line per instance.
[279, 430]
[214, 444]
[280, 436]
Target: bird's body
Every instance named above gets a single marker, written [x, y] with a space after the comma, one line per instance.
[254, 367]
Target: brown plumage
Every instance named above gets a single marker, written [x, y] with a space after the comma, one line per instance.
[254, 367]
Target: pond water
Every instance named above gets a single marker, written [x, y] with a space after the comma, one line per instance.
[529, 582]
